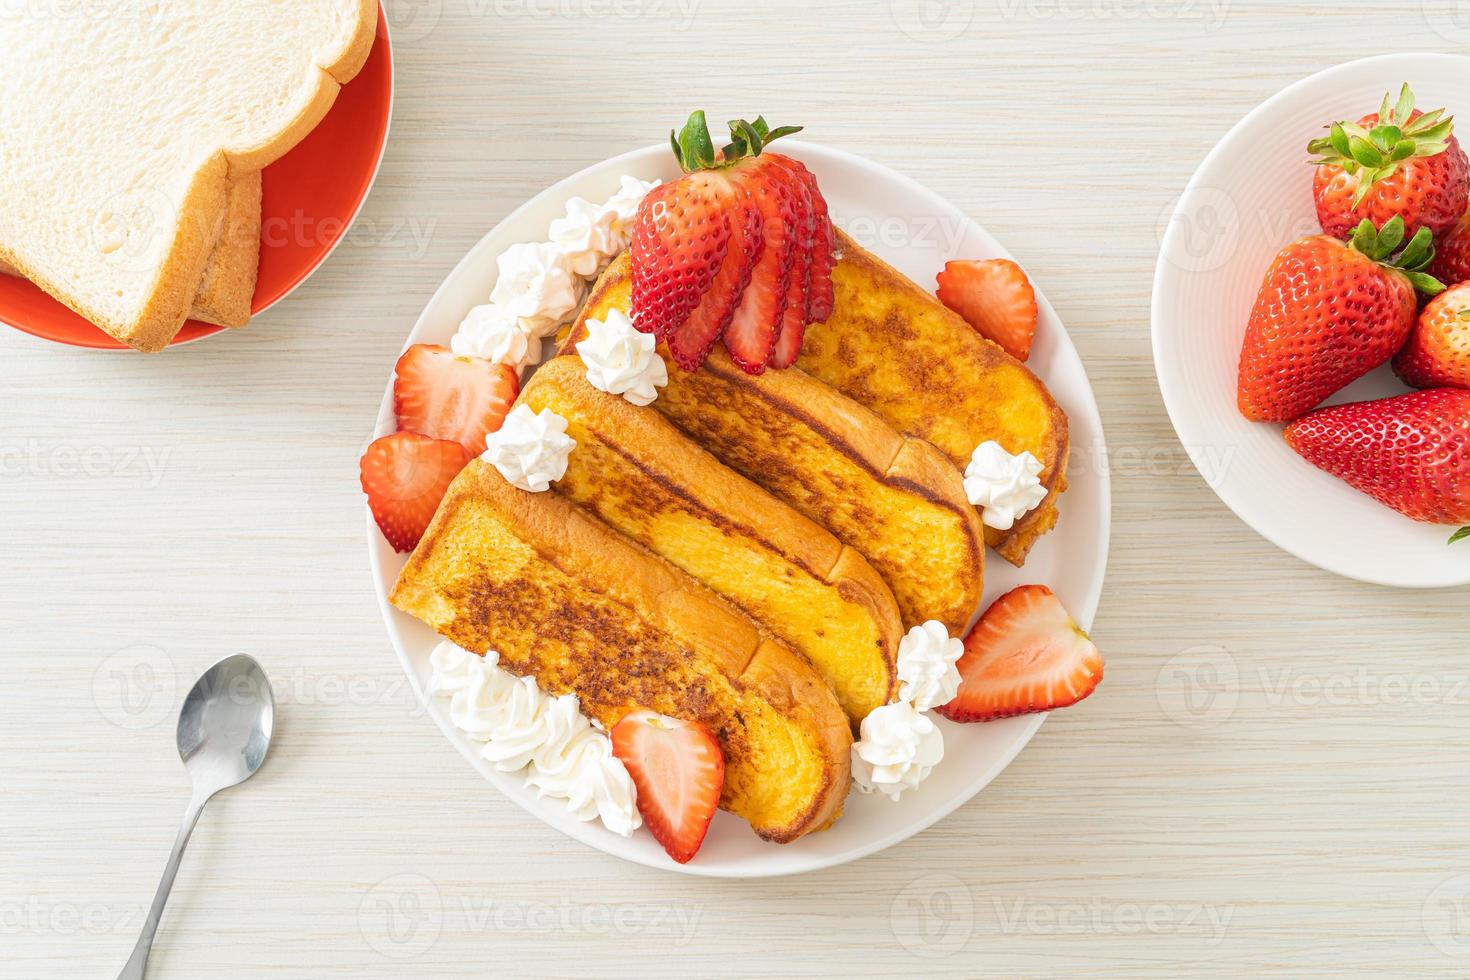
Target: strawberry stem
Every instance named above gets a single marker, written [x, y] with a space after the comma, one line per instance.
[1378, 244]
[695, 150]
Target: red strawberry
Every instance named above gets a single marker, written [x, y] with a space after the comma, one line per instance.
[1411, 452]
[1327, 314]
[1438, 352]
[819, 299]
[995, 298]
[784, 205]
[448, 396]
[678, 770]
[404, 476]
[681, 234]
[691, 342]
[712, 253]
[1397, 162]
[799, 280]
[1451, 264]
[1025, 655]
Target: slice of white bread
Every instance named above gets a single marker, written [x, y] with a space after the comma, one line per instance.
[224, 296]
[119, 137]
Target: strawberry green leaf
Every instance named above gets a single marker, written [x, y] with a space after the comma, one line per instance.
[1460, 535]
[1391, 235]
[1405, 107]
[1425, 283]
[698, 150]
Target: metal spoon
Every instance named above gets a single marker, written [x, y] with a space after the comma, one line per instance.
[224, 732]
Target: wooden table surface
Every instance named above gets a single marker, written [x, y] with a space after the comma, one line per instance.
[1272, 778]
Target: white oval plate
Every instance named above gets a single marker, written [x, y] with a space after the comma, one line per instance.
[918, 232]
[1249, 199]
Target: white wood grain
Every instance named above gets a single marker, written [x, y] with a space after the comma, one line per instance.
[1309, 819]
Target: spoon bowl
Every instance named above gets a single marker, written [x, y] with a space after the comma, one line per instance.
[225, 724]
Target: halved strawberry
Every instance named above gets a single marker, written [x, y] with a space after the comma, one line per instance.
[995, 298]
[799, 280]
[751, 337]
[449, 396]
[679, 772]
[680, 236]
[1025, 655]
[404, 476]
[691, 342]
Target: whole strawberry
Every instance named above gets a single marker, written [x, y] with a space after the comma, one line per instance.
[1327, 314]
[1395, 162]
[1411, 453]
[1438, 352]
[1451, 264]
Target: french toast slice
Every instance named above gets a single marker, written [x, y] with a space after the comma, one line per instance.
[645, 478]
[565, 598]
[896, 500]
[891, 346]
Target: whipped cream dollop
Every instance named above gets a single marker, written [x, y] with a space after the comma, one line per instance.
[493, 332]
[898, 747]
[541, 284]
[530, 449]
[927, 673]
[537, 286]
[523, 727]
[588, 235]
[622, 361]
[1004, 486]
[630, 194]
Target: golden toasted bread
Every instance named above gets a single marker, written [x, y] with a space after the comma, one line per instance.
[897, 501]
[567, 599]
[893, 347]
[644, 477]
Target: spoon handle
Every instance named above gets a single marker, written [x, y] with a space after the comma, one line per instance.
[138, 962]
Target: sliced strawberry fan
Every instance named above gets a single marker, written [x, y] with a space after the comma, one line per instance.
[739, 250]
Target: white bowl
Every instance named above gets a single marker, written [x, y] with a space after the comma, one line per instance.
[1250, 198]
[918, 231]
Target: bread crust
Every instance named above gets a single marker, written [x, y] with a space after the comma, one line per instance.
[685, 620]
[319, 94]
[227, 289]
[651, 470]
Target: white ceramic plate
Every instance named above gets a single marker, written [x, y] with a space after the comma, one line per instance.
[917, 231]
[1250, 198]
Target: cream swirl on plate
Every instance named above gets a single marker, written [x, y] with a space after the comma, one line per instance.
[927, 673]
[622, 361]
[530, 449]
[523, 727]
[537, 285]
[492, 332]
[588, 236]
[541, 284]
[899, 746]
[1006, 487]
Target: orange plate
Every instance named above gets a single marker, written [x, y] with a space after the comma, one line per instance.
[310, 197]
